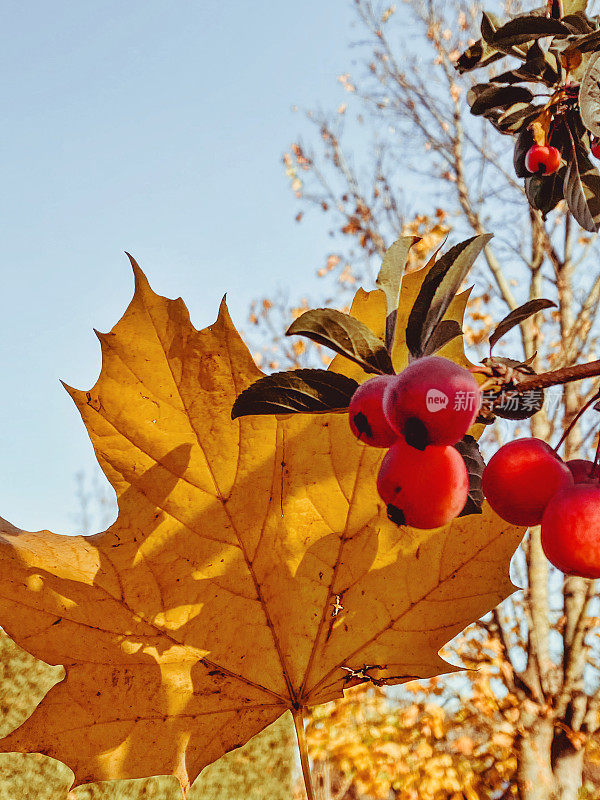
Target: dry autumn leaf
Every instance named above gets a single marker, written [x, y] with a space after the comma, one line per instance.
[540, 127]
[251, 569]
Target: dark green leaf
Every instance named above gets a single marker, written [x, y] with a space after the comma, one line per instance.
[579, 22]
[521, 75]
[523, 29]
[489, 49]
[588, 43]
[390, 279]
[524, 141]
[589, 95]
[573, 127]
[469, 450]
[585, 43]
[489, 25]
[545, 192]
[484, 96]
[304, 391]
[560, 136]
[542, 65]
[444, 332]
[479, 54]
[539, 66]
[517, 316]
[345, 335]
[515, 118]
[438, 289]
[582, 188]
[507, 403]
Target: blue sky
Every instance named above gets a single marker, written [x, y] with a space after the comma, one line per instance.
[151, 127]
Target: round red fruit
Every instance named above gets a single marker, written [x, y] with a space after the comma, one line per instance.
[543, 159]
[423, 488]
[432, 402]
[571, 531]
[581, 470]
[367, 420]
[595, 147]
[521, 479]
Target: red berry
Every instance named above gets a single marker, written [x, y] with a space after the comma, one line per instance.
[521, 478]
[571, 531]
[433, 401]
[367, 420]
[582, 471]
[544, 159]
[423, 488]
[595, 147]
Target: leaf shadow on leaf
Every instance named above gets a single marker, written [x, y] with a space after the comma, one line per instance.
[95, 668]
[83, 691]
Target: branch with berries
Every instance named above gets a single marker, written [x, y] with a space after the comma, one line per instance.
[433, 470]
[549, 101]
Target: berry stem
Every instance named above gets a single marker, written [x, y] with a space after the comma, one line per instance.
[573, 422]
[595, 472]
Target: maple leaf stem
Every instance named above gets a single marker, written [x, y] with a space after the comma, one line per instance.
[303, 747]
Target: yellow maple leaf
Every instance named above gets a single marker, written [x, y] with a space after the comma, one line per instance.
[252, 568]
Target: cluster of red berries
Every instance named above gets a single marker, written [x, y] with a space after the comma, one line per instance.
[419, 414]
[425, 410]
[527, 483]
[545, 159]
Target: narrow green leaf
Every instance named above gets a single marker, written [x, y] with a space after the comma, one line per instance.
[478, 55]
[490, 48]
[585, 43]
[517, 316]
[524, 141]
[539, 65]
[515, 118]
[345, 335]
[511, 76]
[582, 188]
[509, 404]
[523, 29]
[444, 332]
[489, 25]
[304, 391]
[578, 21]
[589, 42]
[390, 279]
[485, 96]
[440, 285]
[589, 95]
[469, 450]
[545, 192]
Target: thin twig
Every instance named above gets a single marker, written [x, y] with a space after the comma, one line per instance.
[557, 377]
